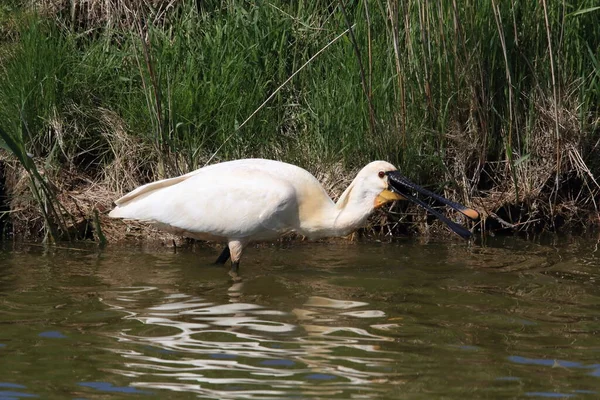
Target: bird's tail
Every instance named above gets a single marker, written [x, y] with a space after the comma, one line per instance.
[117, 212]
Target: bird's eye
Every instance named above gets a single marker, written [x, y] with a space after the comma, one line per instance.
[381, 174]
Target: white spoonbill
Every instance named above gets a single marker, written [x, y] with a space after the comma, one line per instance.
[243, 201]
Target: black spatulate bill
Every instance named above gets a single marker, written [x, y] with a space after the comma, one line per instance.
[403, 186]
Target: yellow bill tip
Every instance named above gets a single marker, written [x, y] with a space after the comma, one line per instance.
[469, 212]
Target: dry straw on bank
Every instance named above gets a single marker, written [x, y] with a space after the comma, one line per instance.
[493, 103]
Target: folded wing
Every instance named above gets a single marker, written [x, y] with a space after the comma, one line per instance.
[221, 202]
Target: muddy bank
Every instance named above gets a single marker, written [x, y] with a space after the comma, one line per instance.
[85, 202]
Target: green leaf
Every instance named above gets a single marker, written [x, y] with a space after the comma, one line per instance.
[522, 159]
[584, 11]
[10, 144]
[3, 145]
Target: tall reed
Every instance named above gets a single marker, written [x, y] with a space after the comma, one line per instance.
[496, 100]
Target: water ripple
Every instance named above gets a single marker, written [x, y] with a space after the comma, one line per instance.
[238, 350]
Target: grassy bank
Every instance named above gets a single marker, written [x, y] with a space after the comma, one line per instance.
[496, 104]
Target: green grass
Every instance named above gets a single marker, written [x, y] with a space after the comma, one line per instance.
[470, 97]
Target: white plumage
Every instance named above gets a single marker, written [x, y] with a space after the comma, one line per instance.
[247, 200]
[241, 201]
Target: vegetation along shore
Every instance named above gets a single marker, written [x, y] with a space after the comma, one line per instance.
[493, 104]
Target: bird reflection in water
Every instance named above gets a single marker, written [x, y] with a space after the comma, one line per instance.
[246, 351]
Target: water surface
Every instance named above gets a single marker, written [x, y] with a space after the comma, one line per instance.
[405, 320]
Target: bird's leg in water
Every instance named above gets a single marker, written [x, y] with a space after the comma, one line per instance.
[233, 272]
[224, 256]
[235, 267]
[235, 248]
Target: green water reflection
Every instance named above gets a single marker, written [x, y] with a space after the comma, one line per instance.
[509, 319]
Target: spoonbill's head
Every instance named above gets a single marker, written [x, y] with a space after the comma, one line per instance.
[374, 184]
[382, 181]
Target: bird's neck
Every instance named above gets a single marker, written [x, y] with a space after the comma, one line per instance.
[342, 218]
[352, 216]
